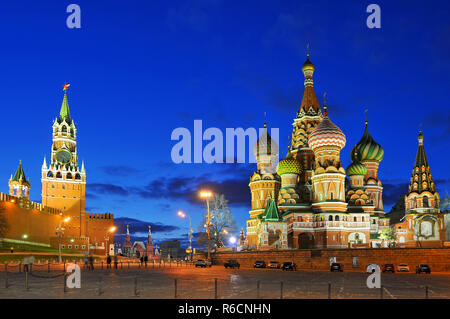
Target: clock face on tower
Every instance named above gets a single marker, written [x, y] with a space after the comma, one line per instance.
[63, 156]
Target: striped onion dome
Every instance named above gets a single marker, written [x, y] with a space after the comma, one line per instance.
[326, 134]
[265, 145]
[356, 168]
[289, 165]
[367, 149]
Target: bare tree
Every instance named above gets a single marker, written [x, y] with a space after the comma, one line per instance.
[223, 223]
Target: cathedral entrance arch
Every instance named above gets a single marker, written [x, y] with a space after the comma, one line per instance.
[274, 238]
[305, 241]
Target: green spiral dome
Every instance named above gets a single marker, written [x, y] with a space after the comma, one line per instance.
[367, 149]
[356, 168]
[289, 165]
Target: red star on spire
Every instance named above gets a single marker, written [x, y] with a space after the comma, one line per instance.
[65, 86]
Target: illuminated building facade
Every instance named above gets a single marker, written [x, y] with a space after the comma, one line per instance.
[305, 203]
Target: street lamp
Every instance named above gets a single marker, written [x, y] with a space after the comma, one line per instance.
[60, 233]
[207, 195]
[110, 230]
[183, 215]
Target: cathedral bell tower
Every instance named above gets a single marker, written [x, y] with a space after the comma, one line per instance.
[63, 182]
[308, 117]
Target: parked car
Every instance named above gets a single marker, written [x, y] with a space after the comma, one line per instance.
[274, 265]
[289, 265]
[403, 268]
[260, 264]
[202, 263]
[388, 267]
[232, 264]
[423, 268]
[336, 267]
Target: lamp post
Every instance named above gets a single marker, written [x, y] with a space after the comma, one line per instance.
[110, 231]
[207, 195]
[60, 233]
[183, 215]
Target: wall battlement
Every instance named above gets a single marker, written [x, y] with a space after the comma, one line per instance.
[100, 216]
[25, 203]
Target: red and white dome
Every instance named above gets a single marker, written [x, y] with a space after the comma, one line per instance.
[326, 134]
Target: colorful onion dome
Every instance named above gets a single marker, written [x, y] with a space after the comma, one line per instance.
[367, 149]
[326, 134]
[265, 145]
[356, 168]
[289, 165]
[308, 65]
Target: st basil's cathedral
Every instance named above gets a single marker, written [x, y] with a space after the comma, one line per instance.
[308, 202]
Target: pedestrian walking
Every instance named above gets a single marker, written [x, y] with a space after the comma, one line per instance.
[86, 262]
[116, 261]
[12, 250]
[145, 260]
[142, 260]
[108, 262]
[91, 262]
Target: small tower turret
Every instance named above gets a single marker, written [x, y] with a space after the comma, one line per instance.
[19, 185]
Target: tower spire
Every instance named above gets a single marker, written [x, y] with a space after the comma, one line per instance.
[309, 101]
[44, 164]
[64, 114]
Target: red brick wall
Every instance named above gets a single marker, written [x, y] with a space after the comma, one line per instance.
[437, 258]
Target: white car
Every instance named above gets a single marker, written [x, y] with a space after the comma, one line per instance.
[403, 268]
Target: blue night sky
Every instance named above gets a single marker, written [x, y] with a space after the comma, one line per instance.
[140, 69]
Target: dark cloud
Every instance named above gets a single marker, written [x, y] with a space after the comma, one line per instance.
[186, 188]
[235, 188]
[108, 189]
[139, 226]
[119, 170]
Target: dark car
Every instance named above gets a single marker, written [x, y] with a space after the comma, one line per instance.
[289, 265]
[388, 267]
[337, 267]
[423, 268]
[232, 264]
[202, 263]
[260, 264]
[274, 265]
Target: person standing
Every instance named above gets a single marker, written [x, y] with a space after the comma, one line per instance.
[108, 262]
[145, 260]
[86, 262]
[116, 261]
[12, 250]
[91, 262]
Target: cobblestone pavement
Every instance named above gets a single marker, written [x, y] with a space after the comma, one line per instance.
[240, 283]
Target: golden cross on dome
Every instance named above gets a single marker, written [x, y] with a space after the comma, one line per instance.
[365, 116]
[66, 86]
[265, 122]
[308, 49]
[325, 98]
